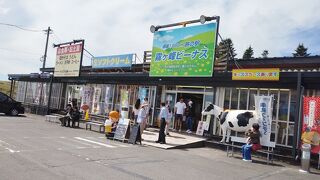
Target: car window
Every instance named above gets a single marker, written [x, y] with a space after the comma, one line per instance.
[10, 100]
[3, 97]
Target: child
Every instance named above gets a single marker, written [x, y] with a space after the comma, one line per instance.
[253, 142]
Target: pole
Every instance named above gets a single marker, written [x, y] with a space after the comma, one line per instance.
[296, 118]
[49, 98]
[11, 87]
[45, 51]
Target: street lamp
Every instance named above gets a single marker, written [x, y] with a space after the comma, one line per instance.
[202, 20]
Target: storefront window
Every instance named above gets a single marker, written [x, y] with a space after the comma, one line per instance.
[226, 104]
[243, 99]
[234, 98]
[252, 93]
[283, 105]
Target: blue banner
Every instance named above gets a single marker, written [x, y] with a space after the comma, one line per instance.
[117, 61]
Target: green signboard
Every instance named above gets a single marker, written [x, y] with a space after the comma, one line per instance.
[184, 52]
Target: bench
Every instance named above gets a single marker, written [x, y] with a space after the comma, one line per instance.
[269, 151]
[95, 123]
[53, 118]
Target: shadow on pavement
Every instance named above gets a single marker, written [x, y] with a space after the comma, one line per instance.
[20, 115]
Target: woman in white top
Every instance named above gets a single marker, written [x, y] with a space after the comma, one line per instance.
[142, 117]
[136, 108]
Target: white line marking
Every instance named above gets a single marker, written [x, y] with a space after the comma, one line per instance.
[94, 142]
[87, 144]
[12, 151]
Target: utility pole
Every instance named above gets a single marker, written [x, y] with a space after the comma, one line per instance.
[48, 31]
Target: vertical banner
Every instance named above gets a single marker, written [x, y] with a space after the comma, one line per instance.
[142, 93]
[264, 107]
[86, 96]
[124, 103]
[311, 123]
[96, 99]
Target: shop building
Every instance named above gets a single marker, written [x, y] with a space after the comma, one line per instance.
[109, 89]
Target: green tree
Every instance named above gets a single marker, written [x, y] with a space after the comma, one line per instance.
[265, 54]
[225, 50]
[248, 53]
[301, 51]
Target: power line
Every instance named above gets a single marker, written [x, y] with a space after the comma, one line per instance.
[19, 27]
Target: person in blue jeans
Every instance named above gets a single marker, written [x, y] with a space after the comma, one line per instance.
[189, 114]
[252, 141]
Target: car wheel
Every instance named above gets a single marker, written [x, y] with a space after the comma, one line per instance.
[14, 112]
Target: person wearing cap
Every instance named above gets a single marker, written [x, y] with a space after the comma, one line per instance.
[141, 119]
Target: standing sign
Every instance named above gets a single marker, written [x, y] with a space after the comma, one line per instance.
[68, 61]
[135, 134]
[263, 106]
[200, 128]
[184, 52]
[122, 129]
[117, 61]
[311, 123]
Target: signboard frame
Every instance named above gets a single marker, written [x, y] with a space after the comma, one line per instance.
[185, 64]
[115, 58]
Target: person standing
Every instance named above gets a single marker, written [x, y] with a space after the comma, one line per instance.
[168, 120]
[163, 116]
[179, 109]
[147, 108]
[142, 117]
[189, 114]
[136, 108]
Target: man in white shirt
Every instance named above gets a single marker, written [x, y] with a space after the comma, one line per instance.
[163, 116]
[179, 109]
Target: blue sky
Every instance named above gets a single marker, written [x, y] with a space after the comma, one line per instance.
[122, 26]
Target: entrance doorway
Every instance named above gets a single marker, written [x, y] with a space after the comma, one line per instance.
[197, 100]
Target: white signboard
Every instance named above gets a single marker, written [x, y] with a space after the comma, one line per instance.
[68, 61]
[263, 106]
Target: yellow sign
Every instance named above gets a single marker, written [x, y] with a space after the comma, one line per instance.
[267, 74]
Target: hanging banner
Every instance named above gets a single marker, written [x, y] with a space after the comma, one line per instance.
[116, 61]
[86, 92]
[184, 52]
[124, 103]
[68, 61]
[311, 123]
[96, 99]
[266, 74]
[264, 105]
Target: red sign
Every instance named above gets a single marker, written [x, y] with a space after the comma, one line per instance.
[311, 123]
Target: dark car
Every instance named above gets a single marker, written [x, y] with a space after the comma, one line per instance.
[10, 106]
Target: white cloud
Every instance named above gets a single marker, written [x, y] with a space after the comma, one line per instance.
[122, 26]
[165, 38]
[188, 36]
[3, 10]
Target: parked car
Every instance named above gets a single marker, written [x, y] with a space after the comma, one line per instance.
[10, 106]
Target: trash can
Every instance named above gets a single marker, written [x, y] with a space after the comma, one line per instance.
[305, 158]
